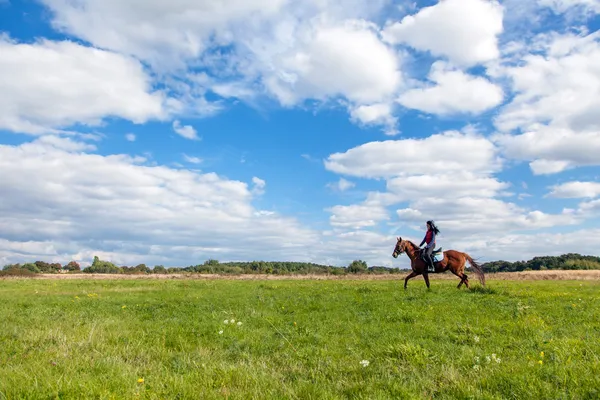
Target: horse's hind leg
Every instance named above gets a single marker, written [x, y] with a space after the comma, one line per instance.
[463, 279]
[426, 277]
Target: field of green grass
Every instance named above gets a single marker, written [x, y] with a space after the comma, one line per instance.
[205, 339]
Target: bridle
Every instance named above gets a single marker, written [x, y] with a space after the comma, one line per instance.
[399, 249]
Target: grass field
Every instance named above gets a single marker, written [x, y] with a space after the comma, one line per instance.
[167, 338]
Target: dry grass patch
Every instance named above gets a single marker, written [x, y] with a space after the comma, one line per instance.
[518, 276]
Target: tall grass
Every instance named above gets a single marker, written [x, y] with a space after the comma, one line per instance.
[152, 339]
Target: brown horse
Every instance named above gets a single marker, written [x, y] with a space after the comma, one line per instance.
[453, 260]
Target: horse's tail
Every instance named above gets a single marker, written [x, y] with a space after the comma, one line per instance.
[477, 269]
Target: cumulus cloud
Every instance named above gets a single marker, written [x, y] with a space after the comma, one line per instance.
[450, 178]
[556, 97]
[524, 246]
[376, 114]
[292, 51]
[163, 32]
[453, 92]
[341, 185]
[121, 207]
[575, 189]
[447, 152]
[259, 185]
[482, 216]
[296, 53]
[552, 150]
[346, 59]
[561, 6]
[456, 185]
[186, 131]
[130, 137]
[357, 216]
[48, 85]
[464, 31]
[560, 86]
[192, 159]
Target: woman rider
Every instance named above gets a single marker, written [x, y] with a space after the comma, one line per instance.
[429, 238]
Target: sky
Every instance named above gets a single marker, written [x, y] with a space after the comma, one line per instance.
[170, 133]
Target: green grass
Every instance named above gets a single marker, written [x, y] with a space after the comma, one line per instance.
[298, 339]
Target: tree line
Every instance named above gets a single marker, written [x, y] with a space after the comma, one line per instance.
[570, 261]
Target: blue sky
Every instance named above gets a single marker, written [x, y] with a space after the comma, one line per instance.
[174, 133]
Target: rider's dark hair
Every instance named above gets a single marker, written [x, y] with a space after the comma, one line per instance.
[432, 226]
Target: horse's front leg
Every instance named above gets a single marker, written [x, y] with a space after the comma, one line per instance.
[411, 275]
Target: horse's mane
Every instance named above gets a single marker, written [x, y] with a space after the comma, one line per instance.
[410, 241]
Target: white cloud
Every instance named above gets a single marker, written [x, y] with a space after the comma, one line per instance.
[590, 208]
[129, 211]
[163, 32]
[556, 97]
[46, 84]
[457, 185]
[130, 137]
[552, 150]
[259, 185]
[449, 152]
[293, 51]
[561, 6]
[522, 247]
[560, 87]
[464, 31]
[448, 178]
[376, 114]
[335, 60]
[192, 159]
[357, 215]
[575, 189]
[454, 92]
[186, 131]
[341, 185]
[474, 216]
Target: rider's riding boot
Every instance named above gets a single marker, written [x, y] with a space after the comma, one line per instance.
[431, 266]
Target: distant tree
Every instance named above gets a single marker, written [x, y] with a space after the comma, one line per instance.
[159, 269]
[357, 267]
[43, 266]
[55, 268]
[31, 267]
[102, 267]
[72, 266]
[141, 268]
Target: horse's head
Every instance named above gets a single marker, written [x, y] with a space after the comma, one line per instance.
[400, 248]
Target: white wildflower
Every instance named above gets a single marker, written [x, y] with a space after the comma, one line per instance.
[220, 332]
[232, 320]
[239, 323]
[476, 339]
[226, 321]
[364, 363]
[476, 367]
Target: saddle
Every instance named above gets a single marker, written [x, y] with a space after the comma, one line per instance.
[433, 257]
[433, 254]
